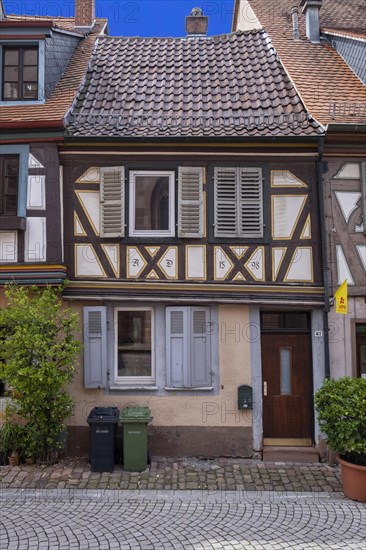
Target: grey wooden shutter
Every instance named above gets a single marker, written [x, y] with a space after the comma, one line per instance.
[112, 186]
[226, 202]
[363, 191]
[190, 202]
[176, 346]
[200, 363]
[250, 202]
[95, 347]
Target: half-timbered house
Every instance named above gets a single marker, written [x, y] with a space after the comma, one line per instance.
[192, 242]
[42, 64]
[322, 46]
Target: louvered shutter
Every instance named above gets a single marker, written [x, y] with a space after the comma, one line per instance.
[112, 185]
[190, 202]
[200, 363]
[95, 347]
[176, 346]
[226, 202]
[251, 202]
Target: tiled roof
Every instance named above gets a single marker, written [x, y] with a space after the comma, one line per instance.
[344, 14]
[228, 85]
[64, 23]
[52, 112]
[332, 93]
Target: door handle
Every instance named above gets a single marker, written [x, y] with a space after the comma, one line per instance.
[265, 388]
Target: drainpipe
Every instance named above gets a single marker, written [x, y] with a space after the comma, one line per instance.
[324, 246]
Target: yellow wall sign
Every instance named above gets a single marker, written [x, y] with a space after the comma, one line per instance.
[341, 299]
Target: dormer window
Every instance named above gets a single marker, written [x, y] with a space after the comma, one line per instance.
[20, 73]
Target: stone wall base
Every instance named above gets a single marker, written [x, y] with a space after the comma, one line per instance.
[208, 442]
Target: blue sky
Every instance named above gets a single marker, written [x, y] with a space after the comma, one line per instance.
[137, 17]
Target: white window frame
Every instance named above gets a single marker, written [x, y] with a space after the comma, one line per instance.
[134, 380]
[132, 190]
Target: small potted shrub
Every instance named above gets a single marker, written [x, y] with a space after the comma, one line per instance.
[11, 442]
[341, 407]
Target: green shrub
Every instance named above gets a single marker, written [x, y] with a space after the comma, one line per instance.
[37, 357]
[341, 407]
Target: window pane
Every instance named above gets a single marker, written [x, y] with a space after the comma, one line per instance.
[30, 57]
[30, 74]
[10, 90]
[297, 320]
[134, 343]
[151, 203]
[10, 207]
[285, 366]
[11, 74]
[271, 321]
[11, 57]
[30, 90]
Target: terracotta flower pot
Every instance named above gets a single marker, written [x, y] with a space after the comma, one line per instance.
[353, 480]
[14, 459]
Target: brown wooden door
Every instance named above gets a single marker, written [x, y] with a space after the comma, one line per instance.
[287, 386]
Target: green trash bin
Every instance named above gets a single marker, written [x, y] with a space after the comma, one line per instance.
[135, 449]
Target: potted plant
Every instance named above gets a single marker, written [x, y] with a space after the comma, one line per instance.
[11, 442]
[341, 407]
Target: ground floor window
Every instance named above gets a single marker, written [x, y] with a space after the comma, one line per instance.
[151, 347]
[135, 349]
[361, 349]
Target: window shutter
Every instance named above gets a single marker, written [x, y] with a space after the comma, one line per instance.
[251, 209]
[112, 186]
[363, 191]
[225, 202]
[176, 346]
[190, 202]
[95, 347]
[200, 363]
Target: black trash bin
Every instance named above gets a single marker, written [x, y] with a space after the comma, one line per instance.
[103, 422]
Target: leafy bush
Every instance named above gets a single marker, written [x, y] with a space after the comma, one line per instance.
[37, 359]
[341, 407]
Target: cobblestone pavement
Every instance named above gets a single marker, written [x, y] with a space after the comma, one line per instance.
[179, 474]
[175, 520]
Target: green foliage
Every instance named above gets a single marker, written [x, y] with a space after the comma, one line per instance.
[12, 438]
[37, 358]
[341, 407]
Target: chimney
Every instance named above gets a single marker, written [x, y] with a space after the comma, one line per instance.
[311, 10]
[84, 14]
[295, 23]
[196, 23]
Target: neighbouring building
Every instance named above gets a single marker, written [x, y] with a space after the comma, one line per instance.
[42, 64]
[322, 45]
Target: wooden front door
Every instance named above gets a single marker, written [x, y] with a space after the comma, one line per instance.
[287, 388]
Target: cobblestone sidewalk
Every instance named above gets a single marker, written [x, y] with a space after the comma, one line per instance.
[178, 474]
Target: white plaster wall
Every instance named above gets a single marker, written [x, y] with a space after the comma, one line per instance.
[247, 19]
[203, 409]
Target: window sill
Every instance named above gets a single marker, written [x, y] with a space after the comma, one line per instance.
[14, 103]
[205, 388]
[134, 388]
[12, 222]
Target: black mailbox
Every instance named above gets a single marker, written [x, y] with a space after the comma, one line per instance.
[245, 397]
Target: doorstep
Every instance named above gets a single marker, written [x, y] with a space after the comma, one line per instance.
[290, 454]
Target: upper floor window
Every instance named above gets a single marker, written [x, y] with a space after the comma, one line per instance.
[9, 176]
[152, 204]
[20, 73]
[238, 202]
